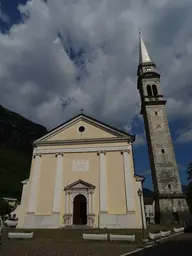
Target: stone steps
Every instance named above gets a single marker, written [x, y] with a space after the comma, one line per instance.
[77, 227]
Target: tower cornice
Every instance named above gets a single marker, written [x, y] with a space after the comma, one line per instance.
[150, 103]
[147, 64]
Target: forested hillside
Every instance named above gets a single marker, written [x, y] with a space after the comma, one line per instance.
[16, 136]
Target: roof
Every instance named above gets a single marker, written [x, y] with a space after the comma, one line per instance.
[24, 181]
[10, 199]
[92, 120]
[143, 53]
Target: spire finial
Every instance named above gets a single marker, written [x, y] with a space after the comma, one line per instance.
[82, 110]
[143, 54]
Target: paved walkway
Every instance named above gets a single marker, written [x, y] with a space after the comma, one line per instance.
[177, 246]
[59, 247]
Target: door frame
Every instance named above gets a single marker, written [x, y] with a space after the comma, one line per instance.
[71, 191]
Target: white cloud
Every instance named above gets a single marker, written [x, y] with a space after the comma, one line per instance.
[36, 72]
[185, 136]
[140, 140]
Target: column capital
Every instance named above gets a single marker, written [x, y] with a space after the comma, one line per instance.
[101, 152]
[90, 192]
[125, 150]
[59, 154]
[34, 156]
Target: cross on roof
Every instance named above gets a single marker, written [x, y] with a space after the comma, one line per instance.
[82, 110]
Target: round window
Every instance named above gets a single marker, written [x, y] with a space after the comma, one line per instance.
[81, 129]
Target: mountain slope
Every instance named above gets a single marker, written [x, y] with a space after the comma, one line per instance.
[16, 136]
[147, 193]
[17, 132]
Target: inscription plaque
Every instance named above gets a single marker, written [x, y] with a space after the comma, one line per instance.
[80, 165]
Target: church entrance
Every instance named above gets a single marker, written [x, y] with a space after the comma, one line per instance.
[80, 210]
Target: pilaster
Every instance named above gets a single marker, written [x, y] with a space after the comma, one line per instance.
[58, 183]
[128, 180]
[103, 181]
[89, 202]
[34, 184]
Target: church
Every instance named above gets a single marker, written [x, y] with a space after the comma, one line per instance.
[82, 172]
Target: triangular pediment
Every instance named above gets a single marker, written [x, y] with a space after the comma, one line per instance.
[80, 184]
[83, 127]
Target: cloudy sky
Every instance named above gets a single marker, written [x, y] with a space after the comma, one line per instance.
[59, 56]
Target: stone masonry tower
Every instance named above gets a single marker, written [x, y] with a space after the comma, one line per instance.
[167, 187]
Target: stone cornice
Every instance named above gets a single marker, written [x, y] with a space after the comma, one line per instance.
[169, 195]
[154, 102]
[147, 103]
[127, 139]
[80, 150]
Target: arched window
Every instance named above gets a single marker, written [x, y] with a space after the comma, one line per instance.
[149, 91]
[154, 87]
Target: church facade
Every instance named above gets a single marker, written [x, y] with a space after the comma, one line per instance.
[82, 173]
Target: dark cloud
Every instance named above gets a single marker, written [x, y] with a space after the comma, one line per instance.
[67, 55]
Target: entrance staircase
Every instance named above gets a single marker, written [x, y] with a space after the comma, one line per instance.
[77, 227]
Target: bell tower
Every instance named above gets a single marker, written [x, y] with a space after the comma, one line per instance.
[169, 197]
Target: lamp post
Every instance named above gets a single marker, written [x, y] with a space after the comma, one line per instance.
[140, 193]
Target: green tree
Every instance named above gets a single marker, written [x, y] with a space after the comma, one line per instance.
[189, 171]
[189, 196]
[5, 208]
[189, 190]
